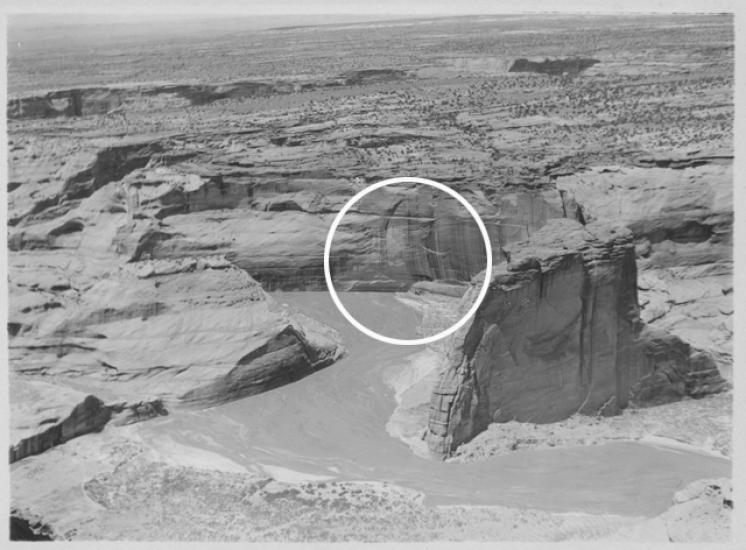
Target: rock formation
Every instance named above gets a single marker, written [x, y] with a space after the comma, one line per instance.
[275, 229]
[197, 327]
[210, 216]
[555, 67]
[22, 528]
[559, 333]
[88, 101]
[395, 237]
[89, 416]
[680, 214]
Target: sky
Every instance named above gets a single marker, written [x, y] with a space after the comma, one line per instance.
[187, 8]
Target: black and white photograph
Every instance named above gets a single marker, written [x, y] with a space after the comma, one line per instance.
[371, 272]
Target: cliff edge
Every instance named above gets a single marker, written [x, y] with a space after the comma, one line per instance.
[558, 333]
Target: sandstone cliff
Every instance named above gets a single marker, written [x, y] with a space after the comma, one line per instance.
[679, 210]
[559, 333]
[160, 199]
[88, 101]
[397, 236]
[91, 415]
[204, 334]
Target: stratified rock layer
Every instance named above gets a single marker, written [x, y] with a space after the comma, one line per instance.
[680, 210]
[274, 228]
[559, 333]
[185, 332]
[398, 236]
[107, 100]
[89, 416]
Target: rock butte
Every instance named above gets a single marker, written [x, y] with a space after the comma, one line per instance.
[559, 333]
[570, 66]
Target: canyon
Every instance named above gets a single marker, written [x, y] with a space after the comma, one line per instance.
[168, 318]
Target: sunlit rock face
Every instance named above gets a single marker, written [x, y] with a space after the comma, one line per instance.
[158, 200]
[679, 209]
[193, 333]
[559, 333]
[398, 235]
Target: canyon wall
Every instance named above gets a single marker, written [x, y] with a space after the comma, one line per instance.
[148, 221]
[171, 228]
[172, 244]
[680, 212]
[395, 237]
[161, 200]
[136, 224]
[559, 333]
[87, 101]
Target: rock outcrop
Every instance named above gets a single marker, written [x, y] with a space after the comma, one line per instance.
[91, 415]
[205, 334]
[158, 200]
[22, 528]
[398, 236]
[671, 369]
[559, 333]
[45, 414]
[681, 216]
[78, 102]
[555, 67]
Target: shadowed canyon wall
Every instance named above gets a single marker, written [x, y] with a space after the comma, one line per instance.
[396, 237]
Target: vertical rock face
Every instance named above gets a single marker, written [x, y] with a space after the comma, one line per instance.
[397, 236]
[680, 211]
[680, 216]
[558, 333]
[146, 199]
[400, 236]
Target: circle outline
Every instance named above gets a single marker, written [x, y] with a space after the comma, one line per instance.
[417, 341]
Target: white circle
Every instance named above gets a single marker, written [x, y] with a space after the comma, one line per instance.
[417, 341]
